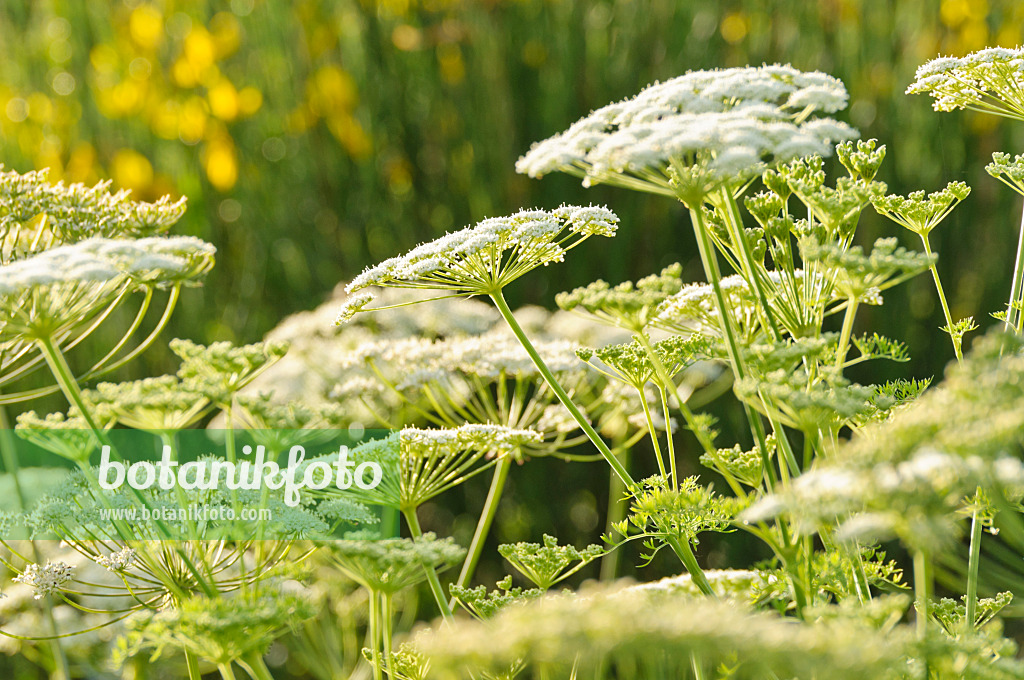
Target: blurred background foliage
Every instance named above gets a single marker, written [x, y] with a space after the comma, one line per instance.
[315, 137]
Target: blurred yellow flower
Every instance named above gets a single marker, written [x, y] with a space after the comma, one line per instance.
[735, 27]
[131, 170]
[40, 108]
[407, 38]
[225, 33]
[331, 90]
[146, 27]
[192, 120]
[81, 166]
[350, 134]
[221, 163]
[249, 101]
[449, 59]
[124, 99]
[224, 100]
[103, 58]
[973, 37]
[199, 49]
[163, 119]
[955, 12]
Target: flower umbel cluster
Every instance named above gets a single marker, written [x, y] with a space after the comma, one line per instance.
[921, 214]
[46, 580]
[990, 80]
[1008, 170]
[68, 284]
[120, 560]
[482, 259]
[36, 214]
[721, 125]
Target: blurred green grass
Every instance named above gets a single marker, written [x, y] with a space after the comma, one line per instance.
[315, 137]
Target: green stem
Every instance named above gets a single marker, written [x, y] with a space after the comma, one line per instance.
[747, 259]
[226, 671]
[254, 665]
[942, 298]
[922, 592]
[229, 445]
[1013, 316]
[616, 513]
[375, 642]
[435, 584]
[685, 553]
[714, 276]
[483, 525]
[66, 379]
[549, 378]
[973, 563]
[670, 444]
[654, 434]
[668, 383]
[192, 663]
[683, 550]
[386, 617]
[847, 332]
[697, 665]
[860, 575]
[794, 566]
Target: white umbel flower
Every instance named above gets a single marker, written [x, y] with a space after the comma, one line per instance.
[118, 561]
[725, 123]
[67, 284]
[991, 80]
[484, 258]
[99, 260]
[46, 580]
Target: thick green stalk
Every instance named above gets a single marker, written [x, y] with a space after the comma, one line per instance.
[483, 525]
[256, 667]
[957, 343]
[588, 429]
[791, 562]
[66, 379]
[375, 635]
[697, 666]
[846, 333]
[669, 440]
[226, 672]
[386, 616]
[435, 583]
[922, 595]
[1013, 316]
[922, 592]
[685, 553]
[654, 434]
[616, 513]
[747, 259]
[860, 576]
[714, 276]
[192, 663]
[973, 563]
[683, 549]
